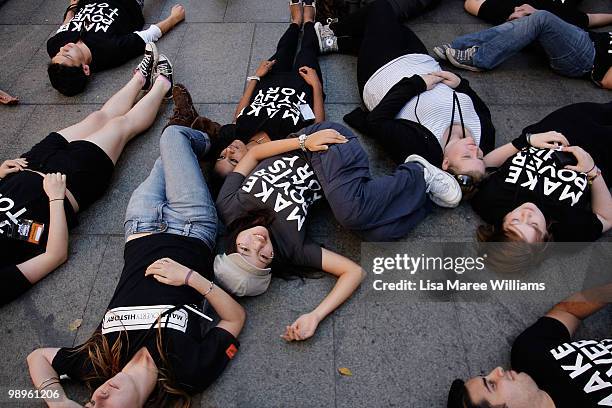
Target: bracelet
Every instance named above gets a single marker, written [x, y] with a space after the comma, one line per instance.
[592, 168]
[528, 137]
[253, 78]
[302, 139]
[212, 286]
[591, 179]
[188, 276]
[47, 380]
[48, 385]
[56, 199]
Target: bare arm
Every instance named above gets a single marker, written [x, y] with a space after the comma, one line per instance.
[56, 251]
[581, 305]
[43, 373]
[316, 142]
[601, 202]
[177, 14]
[498, 156]
[70, 12]
[349, 276]
[545, 140]
[599, 19]
[319, 105]
[231, 313]
[246, 98]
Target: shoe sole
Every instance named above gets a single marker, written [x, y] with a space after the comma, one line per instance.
[317, 28]
[153, 66]
[454, 62]
[439, 53]
[455, 201]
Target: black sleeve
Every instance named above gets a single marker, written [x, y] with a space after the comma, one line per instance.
[395, 99]
[225, 199]
[401, 137]
[582, 226]
[562, 10]
[215, 351]
[14, 284]
[497, 11]
[71, 362]
[533, 344]
[487, 130]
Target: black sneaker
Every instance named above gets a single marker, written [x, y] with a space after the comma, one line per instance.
[147, 65]
[463, 58]
[164, 67]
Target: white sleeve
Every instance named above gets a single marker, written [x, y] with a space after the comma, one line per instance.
[151, 34]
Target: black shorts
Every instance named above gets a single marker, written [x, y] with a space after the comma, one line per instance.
[87, 167]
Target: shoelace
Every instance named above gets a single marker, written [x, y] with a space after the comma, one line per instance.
[441, 188]
[164, 69]
[146, 61]
[465, 54]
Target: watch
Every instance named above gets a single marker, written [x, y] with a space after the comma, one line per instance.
[302, 138]
[253, 77]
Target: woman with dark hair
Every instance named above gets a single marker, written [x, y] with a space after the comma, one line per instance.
[265, 202]
[551, 183]
[499, 11]
[412, 106]
[37, 211]
[149, 349]
[283, 96]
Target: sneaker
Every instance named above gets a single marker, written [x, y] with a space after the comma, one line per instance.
[440, 51]
[442, 188]
[184, 113]
[463, 58]
[164, 67]
[147, 65]
[328, 42]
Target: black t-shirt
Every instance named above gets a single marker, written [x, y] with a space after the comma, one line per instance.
[575, 374]
[107, 28]
[275, 107]
[195, 361]
[287, 186]
[498, 11]
[532, 175]
[22, 197]
[588, 125]
[603, 54]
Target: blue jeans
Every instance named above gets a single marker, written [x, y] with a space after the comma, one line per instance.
[175, 199]
[377, 208]
[569, 48]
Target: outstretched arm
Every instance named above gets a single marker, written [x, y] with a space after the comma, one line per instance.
[56, 252]
[261, 71]
[349, 276]
[310, 76]
[315, 142]
[177, 14]
[546, 140]
[581, 305]
[44, 377]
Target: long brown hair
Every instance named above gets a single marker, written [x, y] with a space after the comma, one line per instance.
[107, 360]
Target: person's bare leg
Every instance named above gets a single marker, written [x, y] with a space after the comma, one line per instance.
[118, 104]
[599, 19]
[113, 137]
[309, 14]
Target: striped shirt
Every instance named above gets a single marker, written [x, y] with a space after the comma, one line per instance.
[434, 108]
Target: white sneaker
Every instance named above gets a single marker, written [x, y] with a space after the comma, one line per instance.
[328, 42]
[442, 188]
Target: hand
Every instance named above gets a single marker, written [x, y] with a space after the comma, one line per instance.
[303, 328]
[310, 76]
[585, 161]
[264, 68]
[177, 13]
[448, 78]
[54, 185]
[168, 272]
[12, 166]
[6, 99]
[548, 140]
[319, 141]
[522, 11]
[431, 80]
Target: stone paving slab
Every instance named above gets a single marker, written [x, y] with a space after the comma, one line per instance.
[387, 345]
